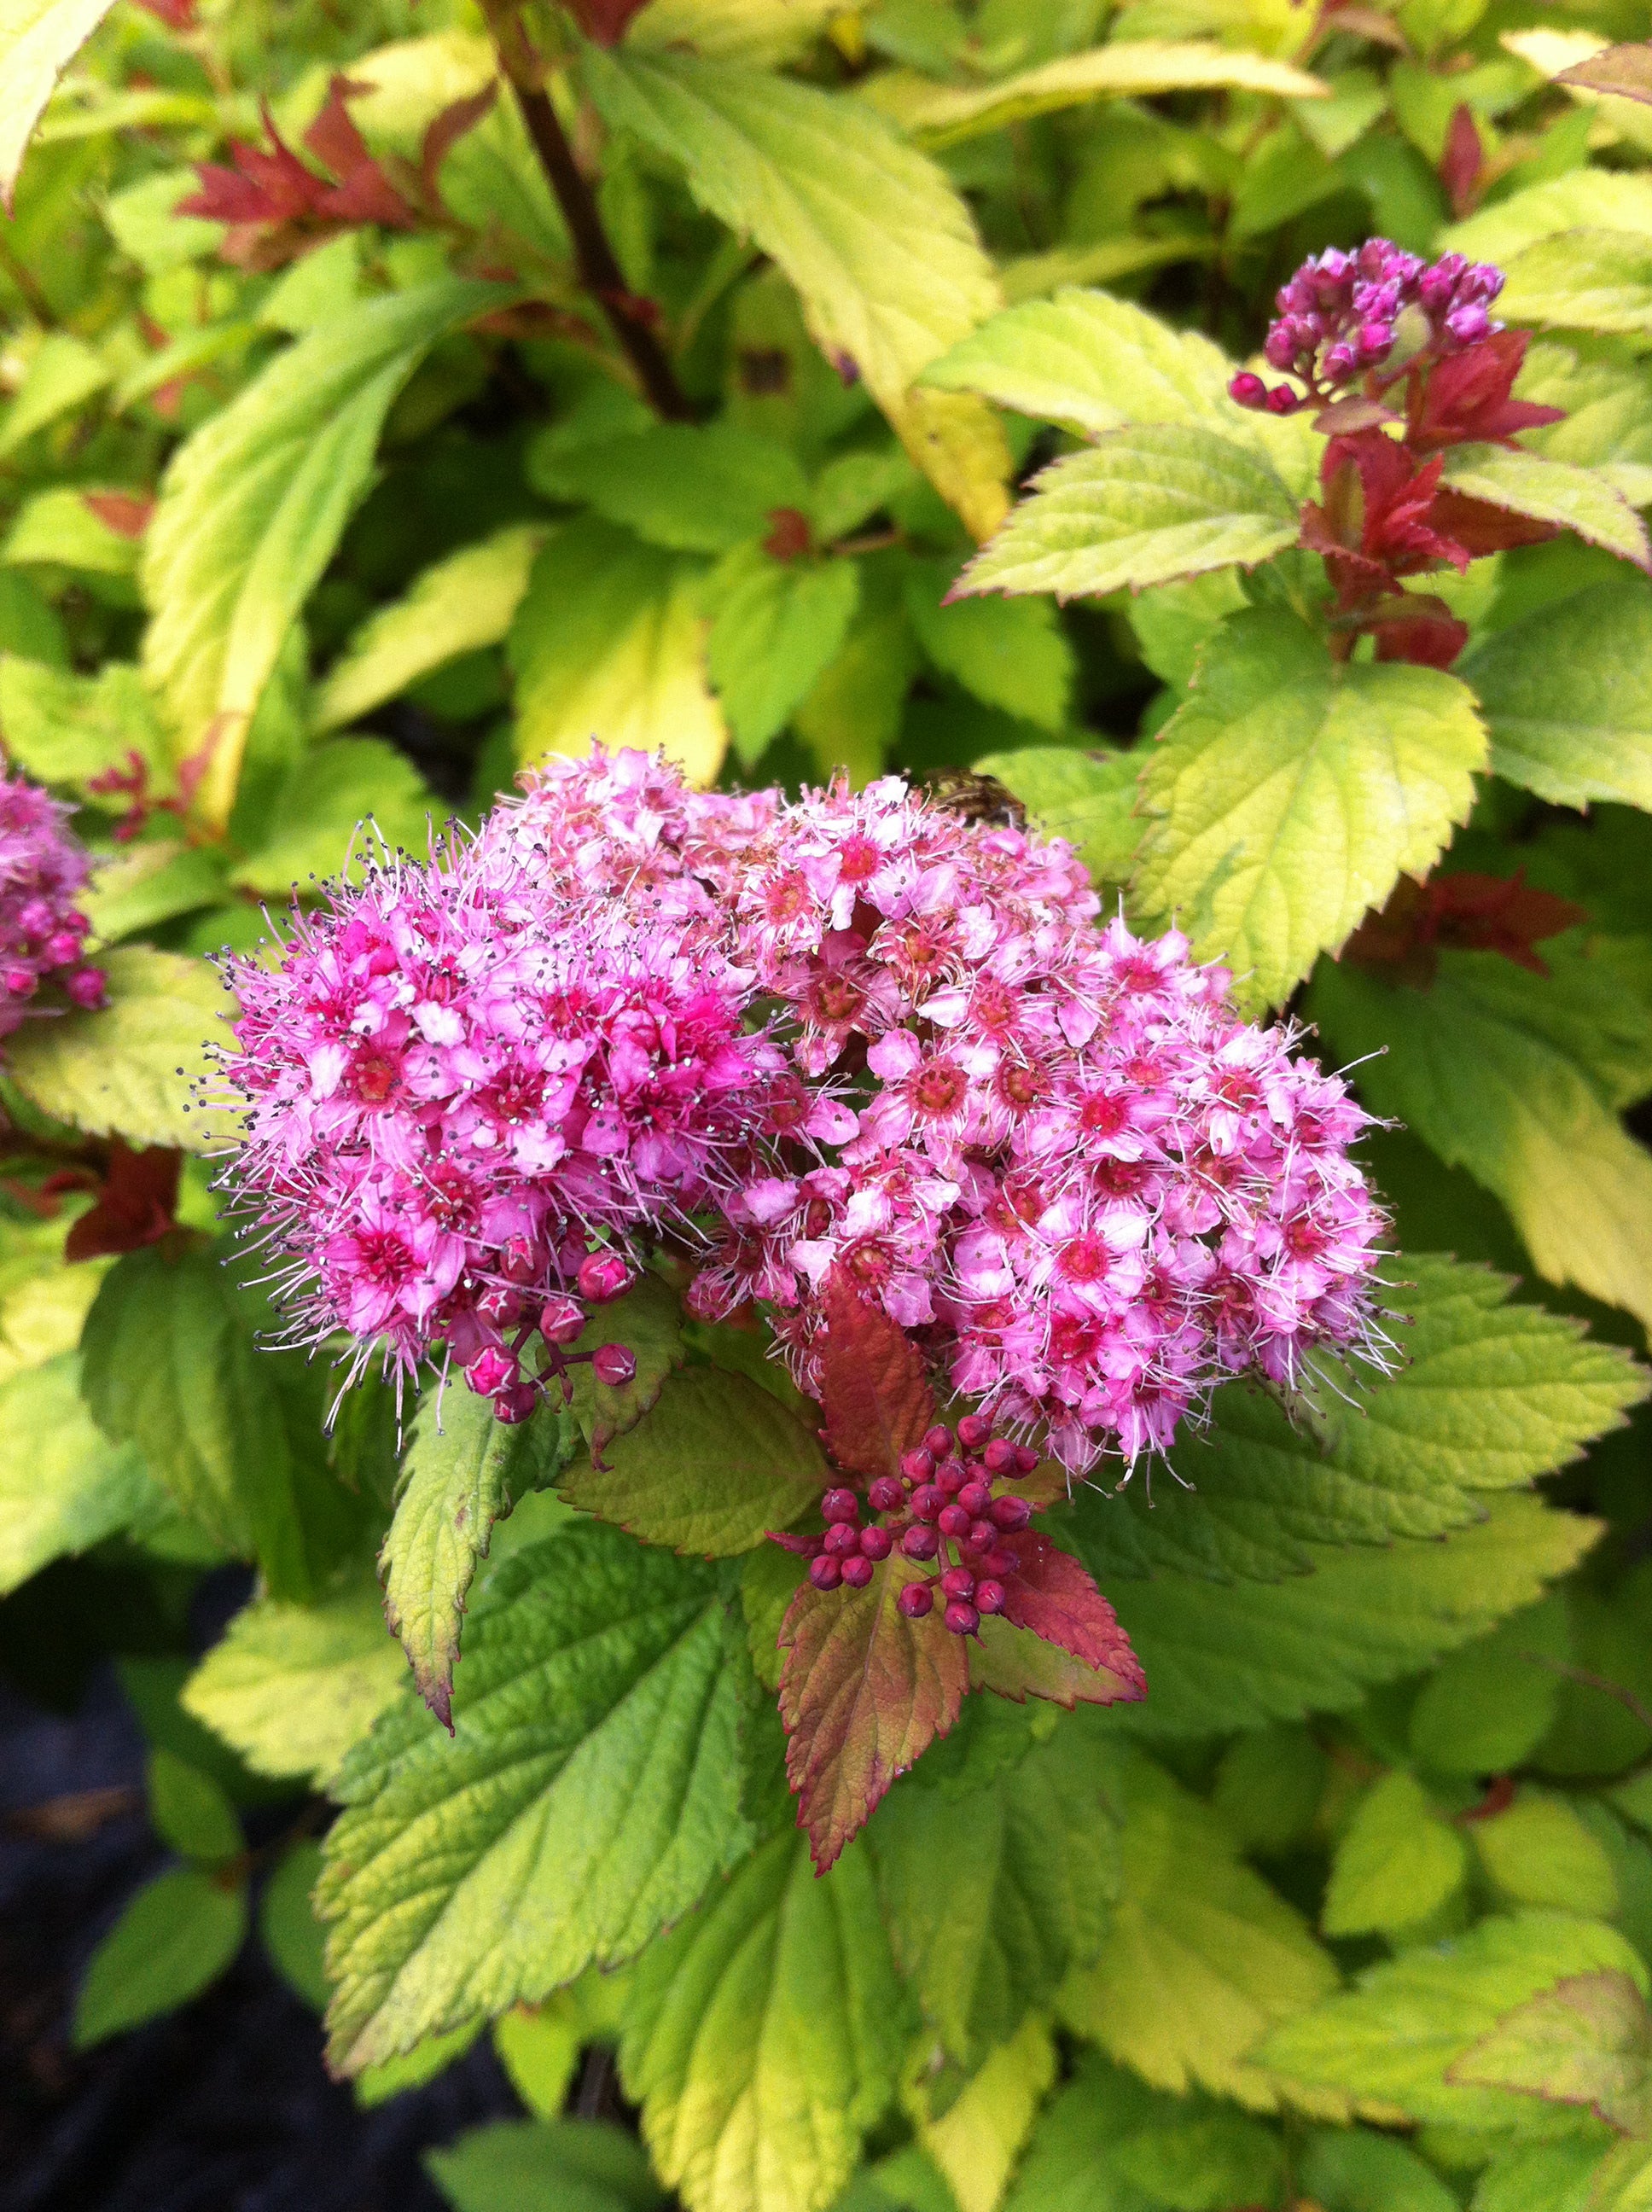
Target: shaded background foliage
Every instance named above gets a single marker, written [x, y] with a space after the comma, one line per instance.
[341, 476]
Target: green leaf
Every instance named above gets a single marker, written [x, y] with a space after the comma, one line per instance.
[59, 529]
[1558, 2176]
[63, 370]
[463, 1471]
[65, 729]
[38, 40]
[1484, 1710]
[1567, 695]
[1608, 415]
[1489, 1394]
[1617, 201]
[1145, 504]
[293, 1687]
[1537, 1851]
[545, 2165]
[129, 1069]
[1012, 654]
[1108, 2143]
[1587, 2041]
[252, 506]
[1032, 1865]
[864, 1691]
[714, 1466]
[1520, 1079]
[880, 247]
[1291, 793]
[291, 1933]
[538, 2047]
[1089, 797]
[1137, 69]
[63, 1486]
[590, 1793]
[1355, 2170]
[189, 1812]
[648, 1322]
[1394, 2038]
[1234, 1655]
[777, 627]
[411, 2070]
[454, 606]
[337, 800]
[610, 637]
[1191, 1919]
[692, 489]
[1579, 500]
[851, 717]
[762, 2038]
[976, 2141]
[177, 1935]
[1583, 280]
[1396, 1863]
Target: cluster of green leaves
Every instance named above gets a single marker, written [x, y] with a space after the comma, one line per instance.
[1356, 1907]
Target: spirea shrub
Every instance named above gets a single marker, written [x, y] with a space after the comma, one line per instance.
[827, 1014]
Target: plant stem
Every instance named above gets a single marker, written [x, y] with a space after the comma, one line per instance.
[599, 267]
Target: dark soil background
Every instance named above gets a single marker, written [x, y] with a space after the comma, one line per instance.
[224, 2106]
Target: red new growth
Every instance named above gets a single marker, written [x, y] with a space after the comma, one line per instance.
[1464, 912]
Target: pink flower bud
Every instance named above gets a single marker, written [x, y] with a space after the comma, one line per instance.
[614, 1364]
[887, 1494]
[825, 1573]
[919, 1543]
[840, 1505]
[561, 1319]
[963, 1619]
[876, 1543]
[858, 1572]
[915, 1601]
[1010, 1513]
[989, 1596]
[953, 1521]
[1248, 388]
[514, 1405]
[938, 1441]
[493, 1370]
[973, 1429]
[88, 987]
[958, 1582]
[602, 1277]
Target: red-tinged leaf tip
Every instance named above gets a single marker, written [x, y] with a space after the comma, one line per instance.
[1461, 160]
[874, 1392]
[127, 513]
[604, 22]
[864, 1691]
[135, 1207]
[443, 133]
[1624, 72]
[1054, 1596]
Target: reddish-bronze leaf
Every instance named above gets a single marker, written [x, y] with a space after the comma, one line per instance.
[873, 1390]
[445, 133]
[1461, 160]
[1465, 912]
[1623, 70]
[864, 1691]
[1053, 1594]
[136, 1206]
[603, 21]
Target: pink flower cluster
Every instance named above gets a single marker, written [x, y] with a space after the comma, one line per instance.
[855, 1032]
[42, 934]
[1340, 314]
[469, 1098]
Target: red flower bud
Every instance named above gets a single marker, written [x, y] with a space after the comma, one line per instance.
[492, 1370]
[919, 1543]
[840, 1505]
[963, 1619]
[602, 1277]
[938, 1441]
[876, 1543]
[958, 1582]
[973, 1429]
[989, 1596]
[1010, 1513]
[561, 1319]
[614, 1364]
[914, 1600]
[825, 1573]
[858, 1572]
[954, 1520]
[887, 1494]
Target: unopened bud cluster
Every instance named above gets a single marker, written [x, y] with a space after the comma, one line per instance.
[1339, 320]
[945, 1511]
[43, 867]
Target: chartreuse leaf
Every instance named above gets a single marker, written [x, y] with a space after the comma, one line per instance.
[1237, 1655]
[692, 489]
[1291, 792]
[864, 1691]
[293, 1686]
[339, 801]
[1012, 653]
[252, 506]
[1587, 2041]
[1138, 69]
[63, 371]
[1396, 1863]
[38, 40]
[66, 728]
[59, 529]
[881, 249]
[714, 1466]
[975, 2142]
[1579, 498]
[456, 605]
[762, 2037]
[463, 1471]
[1033, 1862]
[648, 1322]
[591, 1792]
[1584, 280]
[1489, 1393]
[1567, 695]
[545, 2165]
[1620, 201]
[1089, 797]
[1539, 1852]
[1192, 1918]
[1607, 422]
[189, 1812]
[1569, 2176]
[170, 1363]
[1109, 2144]
[610, 637]
[1145, 504]
[1396, 2036]
[177, 1935]
[1519, 1079]
[129, 1069]
[63, 1486]
[777, 626]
